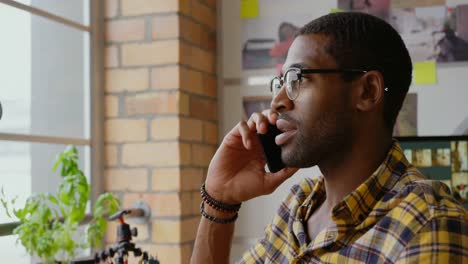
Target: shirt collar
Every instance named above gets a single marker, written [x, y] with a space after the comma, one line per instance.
[360, 202]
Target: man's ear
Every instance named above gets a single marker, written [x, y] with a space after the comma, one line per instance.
[370, 91]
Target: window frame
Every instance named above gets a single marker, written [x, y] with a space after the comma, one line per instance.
[96, 97]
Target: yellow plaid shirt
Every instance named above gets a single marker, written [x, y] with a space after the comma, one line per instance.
[396, 216]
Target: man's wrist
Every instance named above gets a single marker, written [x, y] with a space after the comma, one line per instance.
[218, 214]
[219, 196]
[217, 204]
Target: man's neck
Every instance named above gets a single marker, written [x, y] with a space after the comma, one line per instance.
[358, 164]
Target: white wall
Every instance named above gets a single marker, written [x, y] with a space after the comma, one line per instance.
[257, 213]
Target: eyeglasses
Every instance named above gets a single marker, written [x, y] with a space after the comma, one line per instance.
[293, 77]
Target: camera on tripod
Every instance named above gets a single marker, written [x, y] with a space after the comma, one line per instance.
[119, 252]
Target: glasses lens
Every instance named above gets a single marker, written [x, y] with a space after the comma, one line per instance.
[292, 81]
[275, 86]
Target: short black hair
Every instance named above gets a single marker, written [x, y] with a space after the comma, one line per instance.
[358, 40]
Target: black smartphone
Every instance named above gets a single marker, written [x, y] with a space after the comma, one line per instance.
[272, 151]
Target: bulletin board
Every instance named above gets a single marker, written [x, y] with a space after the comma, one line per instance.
[435, 32]
[443, 159]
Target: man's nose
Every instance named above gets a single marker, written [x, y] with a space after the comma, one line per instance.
[281, 101]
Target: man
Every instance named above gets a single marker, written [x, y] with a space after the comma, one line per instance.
[342, 86]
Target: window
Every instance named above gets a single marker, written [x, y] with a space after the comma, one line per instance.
[47, 97]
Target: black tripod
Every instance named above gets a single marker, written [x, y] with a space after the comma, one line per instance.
[124, 245]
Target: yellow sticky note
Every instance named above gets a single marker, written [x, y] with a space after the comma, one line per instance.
[425, 72]
[336, 10]
[249, 9]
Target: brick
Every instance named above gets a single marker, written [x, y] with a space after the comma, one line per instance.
[197, 58]
[191, 129]
[206, 60]
[185, 7]
[111, 106]
[196, 200]
[190, 31]
[167, 231]
[202, 154]
[184, 104]
[167, 205]
[166, 179]
[111, 8]
[166, 27]
[126, 179]
[111, 155]
[186, 203]
[151, 154]
[210, 133]
[208, 40]
[163, 128]
[118, 80]
[189, 228]
[125, 130]
[191, 81]
[166, 78]
[210, 86]
[185, 154]
[203, 108]
[111, 56]
[153, 103]
[186, 179]
[169, 253]
[210, 3]
[191, 179]
[125, 30]
[203, 14]
[141, 7]
[155, 53]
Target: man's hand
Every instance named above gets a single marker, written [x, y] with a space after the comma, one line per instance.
[237, 170]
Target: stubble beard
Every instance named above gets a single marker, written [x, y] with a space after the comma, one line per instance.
[328, 139]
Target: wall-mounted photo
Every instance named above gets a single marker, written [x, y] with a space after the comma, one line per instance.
[407, 121]
[259, 53]
[422, 157]
[460, 186]
[266, 38]
[441, 157]
[430, 29]
[460, 156]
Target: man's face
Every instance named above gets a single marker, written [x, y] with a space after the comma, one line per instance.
[319, 119]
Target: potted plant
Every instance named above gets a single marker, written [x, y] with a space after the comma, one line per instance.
[49, 223]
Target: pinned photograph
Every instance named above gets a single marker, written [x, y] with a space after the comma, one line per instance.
[407, 121]
[430, 29]
[422, 157]
[459, 156]
[460, 186]
[441, 157]
[266, 38]
[409, 155]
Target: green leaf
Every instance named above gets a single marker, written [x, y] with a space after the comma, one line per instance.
[40, 231]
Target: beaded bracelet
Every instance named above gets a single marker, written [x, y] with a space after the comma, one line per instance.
[215, 219]
[217, 205]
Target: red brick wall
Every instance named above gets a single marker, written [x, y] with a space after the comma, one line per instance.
[161, 114]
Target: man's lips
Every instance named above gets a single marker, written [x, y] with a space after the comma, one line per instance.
[288, 129]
